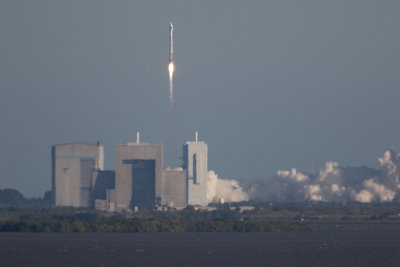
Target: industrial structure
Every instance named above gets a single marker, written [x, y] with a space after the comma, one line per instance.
[138, 169]
[138, 182]
[173, 189]
[72, 169]
[195, 163]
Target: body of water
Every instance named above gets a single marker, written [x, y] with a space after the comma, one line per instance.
[328, 245]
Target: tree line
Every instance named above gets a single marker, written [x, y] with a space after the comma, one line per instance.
[150, 225]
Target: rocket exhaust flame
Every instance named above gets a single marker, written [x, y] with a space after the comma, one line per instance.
[171, 85]
[171, 66]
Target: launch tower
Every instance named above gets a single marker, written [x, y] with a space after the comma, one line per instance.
[195, 162]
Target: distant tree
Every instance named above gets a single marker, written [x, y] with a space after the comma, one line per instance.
[11, 197]
[48, 197]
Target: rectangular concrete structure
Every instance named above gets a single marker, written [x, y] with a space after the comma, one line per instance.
[173, 189]
[101, 181]
[138, 169]
[72, 167]
[108, 203]
[195, 162]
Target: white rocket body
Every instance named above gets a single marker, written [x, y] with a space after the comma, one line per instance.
[171, 43]
[171, 66]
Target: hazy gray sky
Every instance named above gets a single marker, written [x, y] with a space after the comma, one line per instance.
[270, 85]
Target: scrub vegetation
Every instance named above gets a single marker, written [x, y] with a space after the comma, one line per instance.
[18, 214]
[150, 225]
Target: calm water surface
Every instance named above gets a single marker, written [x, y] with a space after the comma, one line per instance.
[329, 245]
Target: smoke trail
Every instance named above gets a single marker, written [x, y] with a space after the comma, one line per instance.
[172, 133]
[171, 94]
[333, 183]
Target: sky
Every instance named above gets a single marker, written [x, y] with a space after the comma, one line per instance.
[269, 85]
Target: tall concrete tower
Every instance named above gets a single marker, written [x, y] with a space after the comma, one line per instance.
[195, 162]
[72, 168]
[138, 169]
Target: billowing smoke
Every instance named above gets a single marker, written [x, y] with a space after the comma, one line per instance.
[220, 190]
[333, 183]
[374, 192]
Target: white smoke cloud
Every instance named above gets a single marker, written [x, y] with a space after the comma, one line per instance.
[364, 196]
[313, 192]
[331, 171]
[390, 163]
[224, 190]
[333, 183]
[374, 192]
[293, 174]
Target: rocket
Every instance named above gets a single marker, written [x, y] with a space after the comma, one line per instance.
[171, 66]
[171, 43]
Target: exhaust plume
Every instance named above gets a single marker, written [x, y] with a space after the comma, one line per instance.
[171, 68]
[333, 183]
[219, 190]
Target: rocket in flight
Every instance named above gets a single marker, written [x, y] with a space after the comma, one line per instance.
[171, 43]
[171, 66]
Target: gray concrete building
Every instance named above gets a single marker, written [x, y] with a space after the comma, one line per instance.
[72, 169]
[195, 156]
[173, 188]
[101, 182]
[138, 169]
[108, 203]
[138, 182]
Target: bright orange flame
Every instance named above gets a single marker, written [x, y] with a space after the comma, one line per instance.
[171, 68]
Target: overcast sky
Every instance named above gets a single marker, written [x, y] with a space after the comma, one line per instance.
[269, 85]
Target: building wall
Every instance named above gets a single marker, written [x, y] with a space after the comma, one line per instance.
[108, 203]
[195, 157]
[133, 166]
[101, 181]
[72, 166]
[173, 189]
